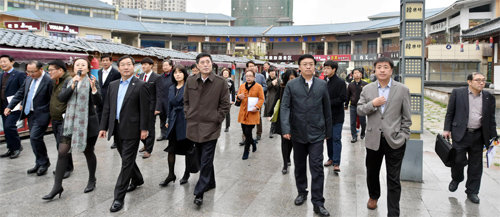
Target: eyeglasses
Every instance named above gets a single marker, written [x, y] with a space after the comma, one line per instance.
[307, 64]
[480, 80]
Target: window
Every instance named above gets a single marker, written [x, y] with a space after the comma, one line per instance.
[316, 48]
[358, 47]
[451, 71]
[103, 13]
[214, 48]
[1, 4]
[79, 11]
[372, 46]
[386, 44]
[344, 47]
[185, 46]
[21, 4]
[61, 36]
[483, 8]
[51, 7]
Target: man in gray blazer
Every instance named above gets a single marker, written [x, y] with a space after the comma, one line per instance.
[386, 104]
[306, 119]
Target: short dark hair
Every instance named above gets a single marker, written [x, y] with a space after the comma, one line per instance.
[361, 70]
[384, 60]
[104, 56]
[37, 63]
[203, 55]
[332, 64]
[58, 64]
[250, 62]
[169, 61]
[147, 60]
[267, 63]
[125, 57]
[307, 56]
[11, 59]
[272, 68]
[470, 76]
[193, 66]
[182, 69]
[86, 60]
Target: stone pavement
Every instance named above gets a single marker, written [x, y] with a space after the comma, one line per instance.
[254, 187]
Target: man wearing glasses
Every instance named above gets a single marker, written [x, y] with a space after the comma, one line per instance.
[470, 122]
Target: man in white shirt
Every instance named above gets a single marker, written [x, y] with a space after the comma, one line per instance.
[106, 75]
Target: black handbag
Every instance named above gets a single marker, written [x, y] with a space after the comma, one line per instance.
[237, 103]
[444, 149]
[193, 160]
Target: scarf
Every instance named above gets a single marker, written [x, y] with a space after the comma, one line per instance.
[247, 86]
[77, 114]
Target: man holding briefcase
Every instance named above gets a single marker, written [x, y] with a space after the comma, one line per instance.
[470, 122]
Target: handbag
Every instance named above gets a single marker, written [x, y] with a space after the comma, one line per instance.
[237, 103]
[193, 160]
[276, 112]
[444, 149]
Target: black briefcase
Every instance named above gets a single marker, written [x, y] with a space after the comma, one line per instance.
[444, 149]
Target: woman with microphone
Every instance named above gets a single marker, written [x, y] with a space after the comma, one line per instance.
[81, 124]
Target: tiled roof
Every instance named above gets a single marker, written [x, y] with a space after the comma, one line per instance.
[176, 15]
[86, 3]
[104, 46]
[165, 52]
[485, 29]
[29, 40]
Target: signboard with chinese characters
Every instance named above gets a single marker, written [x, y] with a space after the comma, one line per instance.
[413, 48]
[52, 27]
[323, 58]
[278, 57]
[19, 25]
[364, 57]
[414, 11]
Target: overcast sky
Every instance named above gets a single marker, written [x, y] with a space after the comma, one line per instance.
[308, 12]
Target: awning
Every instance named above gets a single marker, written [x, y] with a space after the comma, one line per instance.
[45, 56]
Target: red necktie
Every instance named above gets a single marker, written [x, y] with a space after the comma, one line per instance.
[145, 76]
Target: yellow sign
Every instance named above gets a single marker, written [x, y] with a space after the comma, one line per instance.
[414, 11]
[416, 123]
[414, 84]
[413, 48]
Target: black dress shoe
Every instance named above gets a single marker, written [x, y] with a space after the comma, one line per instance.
[90, 187]
[113, 147]
[161, 138]
[258, 138]
[453, 186]
[33, 170]
[52, 194]
[15, 154]
[116, 206]
[271, 136]
[184, 179]
[42, 170]
[354, 140]
[133, 186]
[321, 211]
[198, 200]
[7, 154]
[226, 130]
[284, 170]
[362, 137]
[473, 198]
[301, 198]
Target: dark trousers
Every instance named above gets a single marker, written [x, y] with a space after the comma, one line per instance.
[286, 150]
[163, 121]
[393, 161]
[362, 121]
[57, 129]
[247, 132]
[228, 120]
[10, 129]
[334, 144]
[206, 151]
[469, 152]
[315, 153]
[37, 131]
[149, 142]
[129, 172]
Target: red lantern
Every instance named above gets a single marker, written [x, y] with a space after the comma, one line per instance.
[462, 47]
[491, 40]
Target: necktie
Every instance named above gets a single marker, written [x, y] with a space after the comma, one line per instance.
[31, 92]
[145, 77]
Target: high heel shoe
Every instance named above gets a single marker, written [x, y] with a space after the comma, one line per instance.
[90, 187]
[184, 179]
[245, 154]
[168, 180]
[52, 194]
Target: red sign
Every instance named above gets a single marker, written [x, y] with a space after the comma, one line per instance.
[52, 27]
[343, 57]
[19, 25]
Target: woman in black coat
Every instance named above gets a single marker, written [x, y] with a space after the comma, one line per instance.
[226, 74]
[273, 92]
[176, 125]
[286, 145]
[73, 93]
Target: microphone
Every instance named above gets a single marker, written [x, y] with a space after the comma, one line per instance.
[79, 73]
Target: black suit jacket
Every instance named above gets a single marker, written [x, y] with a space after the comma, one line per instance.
[306, 114]
[41, 99]
[337, 91]
[134, 114]
[94, 100]
[152, 90]
[457, 115]
[162, 87]
[16, 80]
[113, 75]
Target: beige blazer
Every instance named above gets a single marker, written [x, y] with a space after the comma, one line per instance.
[395, 122]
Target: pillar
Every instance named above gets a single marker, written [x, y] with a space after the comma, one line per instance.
[325, 44]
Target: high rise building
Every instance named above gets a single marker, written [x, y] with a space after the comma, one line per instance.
[163, 5]
[262, 12]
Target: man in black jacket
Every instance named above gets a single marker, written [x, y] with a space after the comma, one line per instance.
[162, 86]
[337, 93]
[470, 122]
[353, 92]
[306, 119]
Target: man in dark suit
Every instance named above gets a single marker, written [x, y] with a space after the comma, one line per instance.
[106, 75]
[150, 78]
[306, 119]
[162, 86]
[11, 80]
[35, 97]
[125, 115]
[470, 122]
